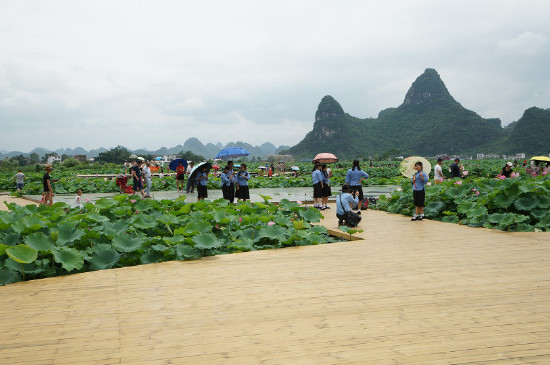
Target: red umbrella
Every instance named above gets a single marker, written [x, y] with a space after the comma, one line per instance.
[325, 158]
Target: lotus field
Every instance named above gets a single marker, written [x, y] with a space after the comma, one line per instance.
[41, 241]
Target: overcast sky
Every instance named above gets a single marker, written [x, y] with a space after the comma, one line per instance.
[154, 73]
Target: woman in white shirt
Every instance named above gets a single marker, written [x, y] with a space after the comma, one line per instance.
[438, 172]
[148, 181]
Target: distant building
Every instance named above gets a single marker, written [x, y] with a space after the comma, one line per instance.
[52, 159]
[492, 155]
[81, 158]
[520, 156]
[480, 156]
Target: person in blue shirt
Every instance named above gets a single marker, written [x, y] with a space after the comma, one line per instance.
[202, 179]
[226, 183]
[354, 177]
[317, 179]
[344, 204]
[242, 183]
[419, 181]
[326, 186]
[231, 189]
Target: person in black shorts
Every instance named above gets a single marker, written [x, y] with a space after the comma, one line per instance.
[136, 175]
[202, 179]
[47, 195]
[419, 181]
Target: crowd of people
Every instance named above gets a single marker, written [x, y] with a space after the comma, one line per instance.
[234, 183]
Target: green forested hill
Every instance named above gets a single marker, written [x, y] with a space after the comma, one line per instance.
[428, 122]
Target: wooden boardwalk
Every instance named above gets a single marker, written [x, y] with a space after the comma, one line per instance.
[409, 293]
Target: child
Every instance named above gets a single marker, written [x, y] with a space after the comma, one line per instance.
[77, 203]
[242, 184]
[226, 183]
[19, 180]
[47, 195]
[180, 176]
[202, 179]
[419, 181]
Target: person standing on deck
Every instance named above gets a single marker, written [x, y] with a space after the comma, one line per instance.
[354, 178]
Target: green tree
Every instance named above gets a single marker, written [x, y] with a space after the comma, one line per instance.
[118, 154]
[190, 156]
[34, 158]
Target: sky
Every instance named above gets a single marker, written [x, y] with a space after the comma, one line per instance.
[155, 73]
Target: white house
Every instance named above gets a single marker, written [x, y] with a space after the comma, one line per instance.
[52, 159]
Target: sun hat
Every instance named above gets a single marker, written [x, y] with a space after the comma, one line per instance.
[48, 167]
[509, 164]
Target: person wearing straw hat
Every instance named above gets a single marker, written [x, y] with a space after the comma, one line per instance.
[419, 181]
[47, 195]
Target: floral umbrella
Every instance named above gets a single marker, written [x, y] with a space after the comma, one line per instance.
[407, 166]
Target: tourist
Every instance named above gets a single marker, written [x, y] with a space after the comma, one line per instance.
[19, 181]
[354, 178]
[515, 163]
[438, 172]
[419, 181]
[226, 183]
[201, 181]
[180, 176]
[506, 170]
[231, 190]
[147, 177]
[326, 192]
[47, 195]
[77, 203]
[455, 169]
[317, 180]
[242, 184]
[344, 203]
[190, 187]
[136, 175]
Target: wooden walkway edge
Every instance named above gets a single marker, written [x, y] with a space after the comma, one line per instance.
[408, 293]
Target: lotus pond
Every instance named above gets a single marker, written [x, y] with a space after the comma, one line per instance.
[41, 241]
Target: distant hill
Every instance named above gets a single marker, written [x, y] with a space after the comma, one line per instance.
[428, 122]
[192, 144]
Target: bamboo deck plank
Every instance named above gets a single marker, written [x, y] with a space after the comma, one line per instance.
[405, 293]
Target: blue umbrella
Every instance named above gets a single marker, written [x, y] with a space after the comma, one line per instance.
[158, 158]
[232, 152]
[175, 163]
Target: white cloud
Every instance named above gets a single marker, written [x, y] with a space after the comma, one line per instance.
[153, 74]
[526, 43]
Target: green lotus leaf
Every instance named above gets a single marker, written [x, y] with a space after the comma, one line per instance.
[544, 222]
[526, 203]
[502, 200]
[274, 232]
[143, 205]
[127, 243]
[311, 215]
[151, 257]
[22, 254]
[243, 244]
[3, 248]
[113, 229]
[40, 242]
[8, 276]
[318, 229]
[169, 219]
[450, 219]
[476, 212]
[434, 209]
[174, 240]
[69, 258]
[496, 218]
[184, 251]
[207, 241]
[522, 227]
[540, 213]
[103, 259]
[194, 228]
[105, 203]
[142, 222]
[67, 233]
[96, 217]
[543, 201]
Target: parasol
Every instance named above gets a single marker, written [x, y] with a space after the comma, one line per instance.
[197, 168]
[175, 163]
[132, 156]
[540, 158]
[325, 158]
[232, 152]
[407, 166]
[295, 168]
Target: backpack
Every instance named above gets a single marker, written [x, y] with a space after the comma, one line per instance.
[365, 204]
